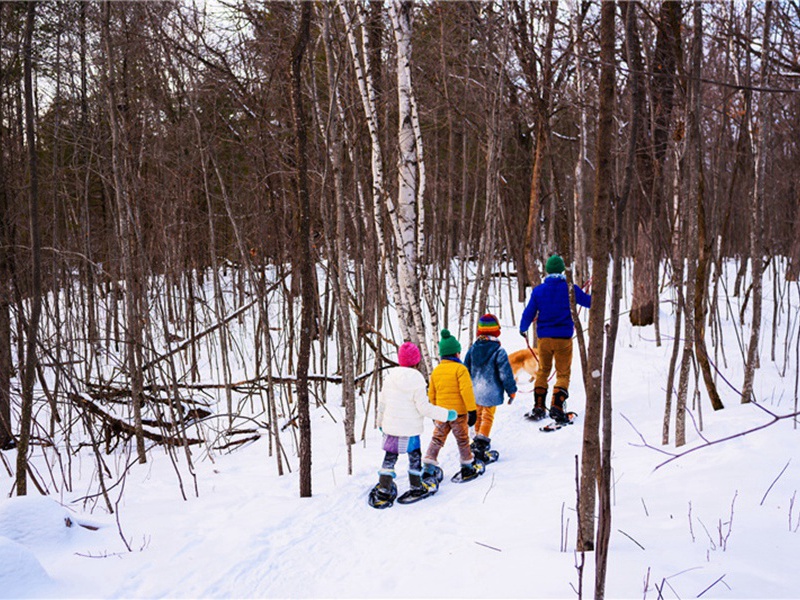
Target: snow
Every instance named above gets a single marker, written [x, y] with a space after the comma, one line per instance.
[720, 522]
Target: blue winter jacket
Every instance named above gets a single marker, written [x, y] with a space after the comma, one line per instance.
[550, 302]
[490, 371]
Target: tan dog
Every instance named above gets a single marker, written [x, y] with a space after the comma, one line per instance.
[524, 360]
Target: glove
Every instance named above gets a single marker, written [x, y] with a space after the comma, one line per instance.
[524, 334]
[452, 415]
[472, 417]
[511, 397]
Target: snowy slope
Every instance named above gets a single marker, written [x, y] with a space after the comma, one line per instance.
[720, 522]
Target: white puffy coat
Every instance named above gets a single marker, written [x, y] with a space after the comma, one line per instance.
[403, 403]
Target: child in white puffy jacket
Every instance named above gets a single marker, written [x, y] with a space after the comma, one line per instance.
[402, 407]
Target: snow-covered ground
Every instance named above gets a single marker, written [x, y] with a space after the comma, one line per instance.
[720, 522]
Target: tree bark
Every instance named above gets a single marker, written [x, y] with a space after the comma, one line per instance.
[407, 211]
[127, 237]
[31, 358]
[590, 458]
[306, 261]
[757, 246]
[6, 274]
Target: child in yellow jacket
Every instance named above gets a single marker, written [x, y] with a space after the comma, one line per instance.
[451, 388]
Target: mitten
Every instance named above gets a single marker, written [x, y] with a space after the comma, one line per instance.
[511, 397]
[472, 417]
[452, 415]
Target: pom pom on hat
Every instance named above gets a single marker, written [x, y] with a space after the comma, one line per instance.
[488, 325]
[555, 264]
[408, 355]
[448, 345]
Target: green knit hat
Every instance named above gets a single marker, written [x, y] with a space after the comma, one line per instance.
[555, 264]
[448, 345]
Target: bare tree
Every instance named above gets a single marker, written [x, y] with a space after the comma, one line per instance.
[590, 457]
[306, 260]
[757, 250]
[6, 271]
[32, 333]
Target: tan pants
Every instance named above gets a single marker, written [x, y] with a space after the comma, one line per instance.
[460, 430]
[557, 349]
[485, 420]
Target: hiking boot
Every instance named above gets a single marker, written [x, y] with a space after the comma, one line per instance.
[559, 406]
[480, 446]
[386, 484]
[472, 470]
[539, 411]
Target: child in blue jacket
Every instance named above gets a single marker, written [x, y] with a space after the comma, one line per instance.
[549, 305]
[491, 375]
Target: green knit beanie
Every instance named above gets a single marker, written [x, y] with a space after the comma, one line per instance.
[555, 264]
[448, 345]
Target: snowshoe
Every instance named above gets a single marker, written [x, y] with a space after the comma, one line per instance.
[490, 456]
[380, 498]
[469, 472]
[555, 425]
[433, 472]
[537, 414]
[428, 488]
[481, 449]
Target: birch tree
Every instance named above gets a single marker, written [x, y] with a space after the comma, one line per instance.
[410, 180]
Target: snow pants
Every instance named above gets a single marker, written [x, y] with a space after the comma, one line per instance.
[560, 351]
[394, 446]
[485, 420]
[460, 429]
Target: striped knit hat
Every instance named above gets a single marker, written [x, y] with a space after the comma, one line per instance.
[488, 325]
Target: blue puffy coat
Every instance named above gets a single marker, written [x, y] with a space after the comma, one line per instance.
[550, 302]
[490, 371]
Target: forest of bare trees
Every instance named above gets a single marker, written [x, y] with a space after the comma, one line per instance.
[173, 174]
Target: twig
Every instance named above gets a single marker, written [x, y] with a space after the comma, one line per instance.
[491, 485]
[630, 538]
[775, 419]
[774, 482]
[488, 546]
[645, 444]
[712, 585]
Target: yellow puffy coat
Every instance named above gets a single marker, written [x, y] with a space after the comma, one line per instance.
[451, 387]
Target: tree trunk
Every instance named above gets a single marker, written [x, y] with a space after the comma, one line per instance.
[691, 205]
[6, 274]
[590, 459]
[408, 209]
[336, 156]
[757, 245]
[306, 261]
[124, 204]
[31, 360]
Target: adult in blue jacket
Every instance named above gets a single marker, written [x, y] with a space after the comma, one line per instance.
[492, 376]
[549, 306]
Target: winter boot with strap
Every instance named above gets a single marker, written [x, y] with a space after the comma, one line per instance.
[419, 488]
[469, 471]
[384, 492]
[482, 449]
[539, 411]
[479, 446]
[558, 410]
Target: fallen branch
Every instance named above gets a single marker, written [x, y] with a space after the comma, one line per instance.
[121, 426]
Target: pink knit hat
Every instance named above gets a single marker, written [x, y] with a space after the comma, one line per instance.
[408, 355]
